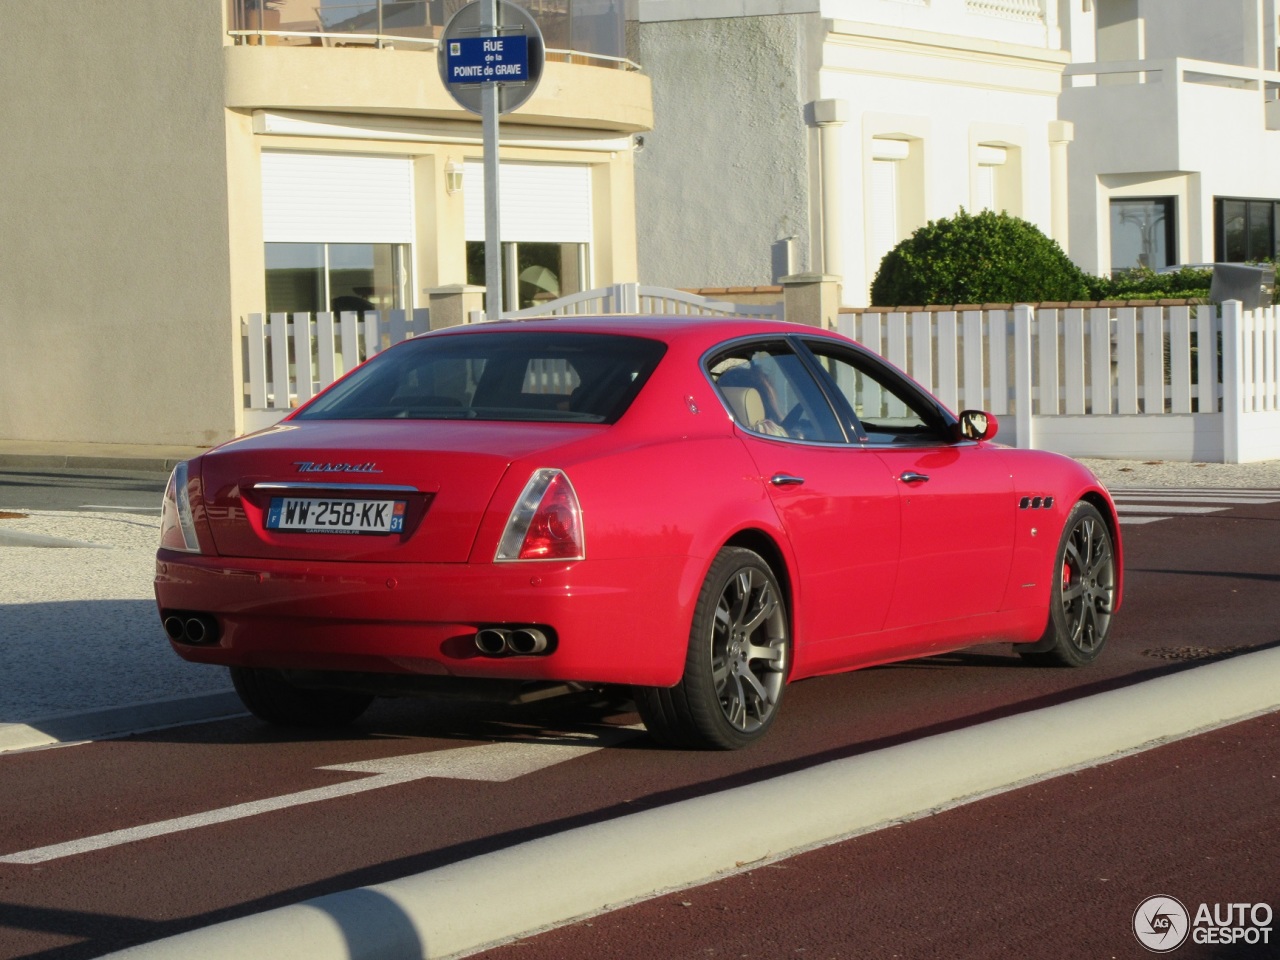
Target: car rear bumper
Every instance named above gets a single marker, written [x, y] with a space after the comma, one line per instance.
[613, 621]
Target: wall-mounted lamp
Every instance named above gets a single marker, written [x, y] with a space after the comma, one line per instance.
[452, 178]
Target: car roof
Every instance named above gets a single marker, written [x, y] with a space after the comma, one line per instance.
[670, 329]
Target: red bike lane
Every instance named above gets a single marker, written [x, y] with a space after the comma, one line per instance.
[1056, 869]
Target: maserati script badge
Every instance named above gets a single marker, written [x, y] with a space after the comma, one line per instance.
[307, 466]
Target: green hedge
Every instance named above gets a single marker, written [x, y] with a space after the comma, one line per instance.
[1146, 284]
[993, 257]
[977, 258]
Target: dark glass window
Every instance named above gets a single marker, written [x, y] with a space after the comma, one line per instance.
[315, 277]
[532, 272]
[1245, 230]
[1143, 233]
[503, 375]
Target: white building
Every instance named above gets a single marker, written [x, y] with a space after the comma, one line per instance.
[812, 135]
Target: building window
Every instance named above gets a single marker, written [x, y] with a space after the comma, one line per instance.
[1143, 233]
[532, 273]
[884, 208]
[546, 230]
[338, 231]
[889, 160]
[1245, 230]
[316, 277]
[997, 183]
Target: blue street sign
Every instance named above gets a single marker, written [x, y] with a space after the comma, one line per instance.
[502, 59]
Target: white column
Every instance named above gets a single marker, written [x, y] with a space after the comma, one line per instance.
[830, 115]
[1061, 133]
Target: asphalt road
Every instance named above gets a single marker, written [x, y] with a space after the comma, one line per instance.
[1003, 877]
[62, 488]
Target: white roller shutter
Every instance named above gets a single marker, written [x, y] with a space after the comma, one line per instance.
[985, 184]
[540, 203]
[883, 201]
[336, 198]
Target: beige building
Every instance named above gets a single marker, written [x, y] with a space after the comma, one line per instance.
[169, 170]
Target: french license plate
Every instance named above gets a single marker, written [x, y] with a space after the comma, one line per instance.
[311, 515]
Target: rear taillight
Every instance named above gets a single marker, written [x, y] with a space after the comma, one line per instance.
[546, 523]
[177, 524]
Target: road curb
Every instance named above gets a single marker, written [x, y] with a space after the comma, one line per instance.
[118, 721]
[458, 909]
[23, 461]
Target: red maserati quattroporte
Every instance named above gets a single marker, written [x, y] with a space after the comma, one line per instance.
[702, 510]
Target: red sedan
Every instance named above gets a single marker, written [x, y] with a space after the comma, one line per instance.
[702, 510]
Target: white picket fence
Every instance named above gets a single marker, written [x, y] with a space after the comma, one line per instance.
[1154, 381]
[636, 299]
[289, 357]
[1175, 382]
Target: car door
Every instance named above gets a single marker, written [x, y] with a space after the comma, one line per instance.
[835, 499]
[957, 496]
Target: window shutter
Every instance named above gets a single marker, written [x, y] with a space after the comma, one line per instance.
[884, 208]
[540, 203]
[336, 198]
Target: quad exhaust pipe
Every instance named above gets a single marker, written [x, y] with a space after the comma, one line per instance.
[193, 628]
[512, 641]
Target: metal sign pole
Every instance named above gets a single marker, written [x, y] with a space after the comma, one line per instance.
[492, 213]
[490, 60]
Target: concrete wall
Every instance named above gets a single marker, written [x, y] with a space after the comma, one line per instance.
[723, 177]
[1222, 31]
[114, 256]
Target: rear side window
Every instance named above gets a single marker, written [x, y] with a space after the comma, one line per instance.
[505, 375]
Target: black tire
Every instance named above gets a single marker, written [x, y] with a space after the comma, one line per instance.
[736, 669]
[273, 699]
[1082, 593]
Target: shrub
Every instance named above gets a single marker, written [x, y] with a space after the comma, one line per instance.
[1145, 284]
[978, 258]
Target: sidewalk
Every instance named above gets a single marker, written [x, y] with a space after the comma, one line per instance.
[81, 647]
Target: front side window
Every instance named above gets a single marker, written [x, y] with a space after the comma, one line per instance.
[1143, 234]
[887, 409]
[510, 376]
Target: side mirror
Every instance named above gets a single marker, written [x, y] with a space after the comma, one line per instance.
[977, 425]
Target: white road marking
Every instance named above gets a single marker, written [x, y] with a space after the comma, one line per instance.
[1165, 508]
[1137, 505]
[495, 762]
[1243, 491]
[113, 508]
[1188, 498]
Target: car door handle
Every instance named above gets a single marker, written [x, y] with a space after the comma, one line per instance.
[785, 480]
[911, 477]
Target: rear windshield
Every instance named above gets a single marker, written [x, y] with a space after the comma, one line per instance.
[504, 375]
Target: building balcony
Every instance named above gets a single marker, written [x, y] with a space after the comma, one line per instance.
[371, 57]
[569, 28]
[1177, 114]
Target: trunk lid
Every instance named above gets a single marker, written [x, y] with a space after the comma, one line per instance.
[285, 492]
